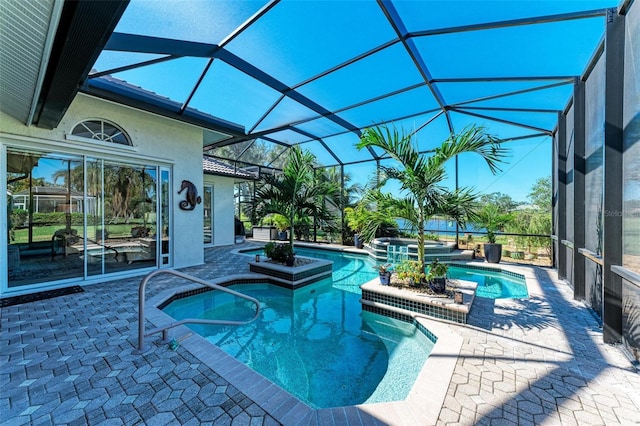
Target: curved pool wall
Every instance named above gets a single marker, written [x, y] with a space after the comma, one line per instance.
[422, 405]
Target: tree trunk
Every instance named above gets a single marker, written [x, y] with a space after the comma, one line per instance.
[421, 240]
[291, 234]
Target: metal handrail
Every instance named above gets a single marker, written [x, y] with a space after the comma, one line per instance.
[627, 274]
[567, 243]
[591, 255]
[164, 329]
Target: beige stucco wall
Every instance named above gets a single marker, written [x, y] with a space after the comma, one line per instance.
[223, 214]
[156, 139]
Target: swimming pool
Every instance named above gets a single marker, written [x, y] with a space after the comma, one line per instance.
[352, 270]
[315, 342]
[492, 284]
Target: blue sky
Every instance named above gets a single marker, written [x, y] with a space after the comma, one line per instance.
[296, 40]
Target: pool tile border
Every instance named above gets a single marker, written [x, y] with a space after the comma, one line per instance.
[382, 299]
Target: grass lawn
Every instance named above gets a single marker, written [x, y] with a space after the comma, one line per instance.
[45, 233]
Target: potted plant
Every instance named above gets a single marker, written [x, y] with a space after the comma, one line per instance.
[493, 221]
[411, 270]
[282, 224]
[384, 272]
[437, 277]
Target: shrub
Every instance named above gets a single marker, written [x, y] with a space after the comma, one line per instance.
[410, 269]
[278, 252]
[437, 269]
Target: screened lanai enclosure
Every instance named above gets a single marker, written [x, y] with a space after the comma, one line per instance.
[556, 82]
[319, 79]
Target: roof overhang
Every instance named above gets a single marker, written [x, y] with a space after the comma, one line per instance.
[83, 31]
[27, 33]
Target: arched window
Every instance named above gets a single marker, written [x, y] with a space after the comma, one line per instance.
[101, 130]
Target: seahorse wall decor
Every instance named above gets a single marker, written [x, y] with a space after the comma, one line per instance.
[192, 196]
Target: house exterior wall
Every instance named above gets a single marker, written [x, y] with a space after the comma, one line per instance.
[156, 140]
[223, 210]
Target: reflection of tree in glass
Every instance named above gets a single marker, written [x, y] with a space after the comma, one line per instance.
[126, 190]
[72, 176]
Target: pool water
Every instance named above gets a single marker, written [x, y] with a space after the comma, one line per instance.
[491, 285]
[315, 342]
[350, 271]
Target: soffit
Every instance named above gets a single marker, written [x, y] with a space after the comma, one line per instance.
[27, 30]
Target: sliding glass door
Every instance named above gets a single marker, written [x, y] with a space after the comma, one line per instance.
[122, 231]
[72, 217]
[45, 211]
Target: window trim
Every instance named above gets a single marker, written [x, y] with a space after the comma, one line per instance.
[71, 136]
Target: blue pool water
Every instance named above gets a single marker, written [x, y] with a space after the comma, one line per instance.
[492, 285]
[355, 270]
[315, 342]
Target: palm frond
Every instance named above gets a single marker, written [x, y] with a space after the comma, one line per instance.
[471, 139]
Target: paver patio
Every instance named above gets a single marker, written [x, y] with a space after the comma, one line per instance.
[69, 360]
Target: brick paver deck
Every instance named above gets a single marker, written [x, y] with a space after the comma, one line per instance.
[69, 360]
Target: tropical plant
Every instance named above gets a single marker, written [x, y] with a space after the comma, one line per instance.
[421, 176]
[278, 252]
[355, 218]
[383, 268]
[280, 222]
[493, 220]
[411, 270]
[295, 193]
[375, 214]
[437, 269]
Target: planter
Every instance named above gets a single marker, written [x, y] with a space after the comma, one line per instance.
[385, 278]
[357, 242]
[492, 253]
[438, 285]
[457, 296]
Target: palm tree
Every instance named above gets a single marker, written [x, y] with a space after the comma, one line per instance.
[421, 176]
[295, 193]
